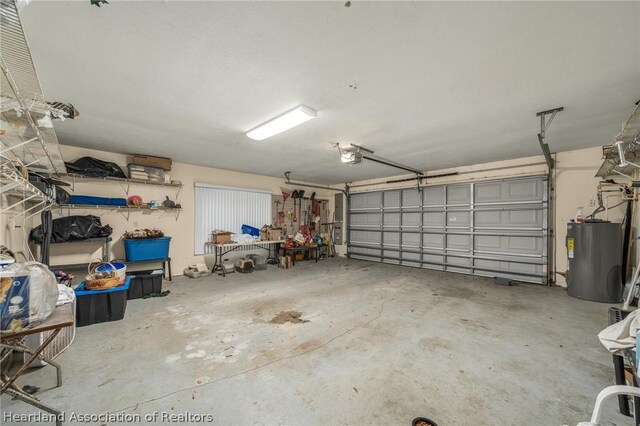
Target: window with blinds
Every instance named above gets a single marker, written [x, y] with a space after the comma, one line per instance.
[227, 208]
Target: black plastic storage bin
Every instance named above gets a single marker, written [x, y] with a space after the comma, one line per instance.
[96, 306]
[143, 283]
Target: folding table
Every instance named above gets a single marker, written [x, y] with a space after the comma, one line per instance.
[62, 317]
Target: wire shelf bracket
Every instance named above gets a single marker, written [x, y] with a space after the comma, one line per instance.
[621, 158]
[544, 126]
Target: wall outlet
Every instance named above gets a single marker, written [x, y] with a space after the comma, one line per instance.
[592, 202]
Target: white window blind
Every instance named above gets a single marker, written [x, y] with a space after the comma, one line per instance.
[227, 208]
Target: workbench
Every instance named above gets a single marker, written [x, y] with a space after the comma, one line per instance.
[62, 317]
[220, 250]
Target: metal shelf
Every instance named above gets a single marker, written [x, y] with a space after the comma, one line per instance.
[124, 209]
[25, 120]
[107, 207]
[88, 240]
[124, 183]
[630, 139]
[120, 180]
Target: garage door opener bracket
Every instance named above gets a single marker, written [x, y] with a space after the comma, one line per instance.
[287, 180]
[544, 126]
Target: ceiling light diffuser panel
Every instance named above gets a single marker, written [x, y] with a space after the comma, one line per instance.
[282, 123]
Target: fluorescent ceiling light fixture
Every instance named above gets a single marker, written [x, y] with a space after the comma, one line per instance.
[282, 123]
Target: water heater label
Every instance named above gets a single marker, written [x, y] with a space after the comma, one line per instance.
[570, 247]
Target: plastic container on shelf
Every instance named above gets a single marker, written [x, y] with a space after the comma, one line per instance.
[147, 249]
[144, 283]
[146, 173]
[96, 306]
[254, 232]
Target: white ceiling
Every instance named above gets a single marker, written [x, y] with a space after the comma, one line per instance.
[439, 84]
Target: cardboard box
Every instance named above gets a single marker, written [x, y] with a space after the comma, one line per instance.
[275, 234]
[220, 237]
[271, 234]
[151, 161]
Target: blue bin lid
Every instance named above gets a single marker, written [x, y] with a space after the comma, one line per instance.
[82, 291]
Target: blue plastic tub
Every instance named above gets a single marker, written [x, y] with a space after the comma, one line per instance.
[147, 249]
[254, 232]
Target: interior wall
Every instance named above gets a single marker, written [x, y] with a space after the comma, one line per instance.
[575, 186]
[181, 230]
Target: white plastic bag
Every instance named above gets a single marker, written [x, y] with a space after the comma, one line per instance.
[28, 295]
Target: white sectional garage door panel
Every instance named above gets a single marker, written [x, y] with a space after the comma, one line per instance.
[496, 228]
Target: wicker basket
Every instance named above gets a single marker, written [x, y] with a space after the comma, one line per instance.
[94, 283]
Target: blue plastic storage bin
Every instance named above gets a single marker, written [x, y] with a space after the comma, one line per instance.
[147, 249]
[254, 232]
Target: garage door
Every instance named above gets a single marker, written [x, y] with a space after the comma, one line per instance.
[496, 228]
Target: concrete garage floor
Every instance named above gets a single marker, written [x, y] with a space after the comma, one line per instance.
[382, 344]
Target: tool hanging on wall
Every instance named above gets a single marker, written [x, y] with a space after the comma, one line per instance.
[286, 193]
[284, 216]
[294, 196]
[300, 198]
[280, 213]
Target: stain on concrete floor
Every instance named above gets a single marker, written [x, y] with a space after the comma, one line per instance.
[294, 317]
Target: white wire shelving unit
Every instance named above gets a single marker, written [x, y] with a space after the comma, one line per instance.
[125, 210]
[21, 193]
[27, 136]
[623, 157]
